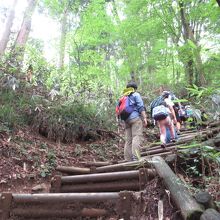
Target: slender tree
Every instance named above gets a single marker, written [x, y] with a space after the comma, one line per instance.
[188, 35]
[7, 31]
[63, 37]
[17, 53]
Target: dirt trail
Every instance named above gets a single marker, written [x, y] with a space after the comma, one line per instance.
[146, 198]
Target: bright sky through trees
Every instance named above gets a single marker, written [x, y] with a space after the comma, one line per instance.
[43, 27]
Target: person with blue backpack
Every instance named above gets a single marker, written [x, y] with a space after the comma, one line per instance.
[163, 113]
[130, 109]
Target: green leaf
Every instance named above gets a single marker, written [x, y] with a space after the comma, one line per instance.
[43, 173]
[188, 146]
[180, 100]
[192, 44]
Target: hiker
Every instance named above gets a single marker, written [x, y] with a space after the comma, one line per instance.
[194, 117]
[131, 110]
[177, 106]
[182, 116]
[163, 113]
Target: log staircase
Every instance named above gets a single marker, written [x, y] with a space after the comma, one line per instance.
[112, 189]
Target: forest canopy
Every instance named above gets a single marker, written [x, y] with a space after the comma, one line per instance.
[74, 47]
[105, 43]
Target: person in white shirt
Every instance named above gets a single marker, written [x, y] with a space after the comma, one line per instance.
[169, 121]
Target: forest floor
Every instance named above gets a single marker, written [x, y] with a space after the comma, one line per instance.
[29, 159]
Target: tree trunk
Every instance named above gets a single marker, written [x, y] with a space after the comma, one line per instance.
[189, 70]
[189, 208]
[188, 35]
[63, 39]
[7, 31]
[115, 12]
[26, 24]
[186, 29]
[16, 56]
[200, 77]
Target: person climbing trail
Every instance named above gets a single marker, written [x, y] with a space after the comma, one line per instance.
[177, 106]
[130, 109]
[163, 113]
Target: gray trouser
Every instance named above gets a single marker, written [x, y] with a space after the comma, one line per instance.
[133, 138]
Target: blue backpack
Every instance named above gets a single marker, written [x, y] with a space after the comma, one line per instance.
[156, 102]
[158, 109]
[159, 113]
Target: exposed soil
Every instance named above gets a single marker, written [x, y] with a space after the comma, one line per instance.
[28, 159]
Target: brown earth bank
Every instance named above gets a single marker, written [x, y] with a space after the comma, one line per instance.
[29, 159]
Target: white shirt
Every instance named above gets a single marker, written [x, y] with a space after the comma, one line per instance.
[169, 102]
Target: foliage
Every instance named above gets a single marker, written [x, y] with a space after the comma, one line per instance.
[109, 40]
[205, 151]
[108, 43]
[211, 153]
[13, 113]
[201, 165]
[71, 121]
[201, 92]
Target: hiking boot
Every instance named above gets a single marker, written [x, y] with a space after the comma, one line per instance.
[173, 140]
[163, 145]
[134, 158]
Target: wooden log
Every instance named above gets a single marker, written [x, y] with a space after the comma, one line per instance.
[98, 163]
[125, 207]
[214, 124]
[187, 129]
[64, 197]
[210, 214]
[158, 154]
[205, 199]
[180, 148]
[189, 208]
[49, 213]
[100, 177]
[116, 186]
[203, 135]
[159, 150]
[213, 131]
[73, 170]
[103, 177]
[197, 136]
[5, 204]
[188, 134]
[178, 143]
[170, 159]
[214, 142]
[170, 145]
[132, 165]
